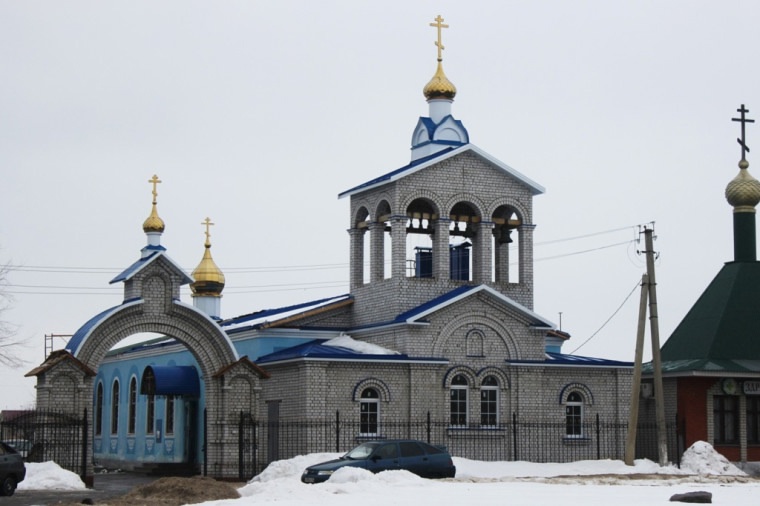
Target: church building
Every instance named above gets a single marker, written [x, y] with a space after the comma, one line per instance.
[438, 323]
[711, 361]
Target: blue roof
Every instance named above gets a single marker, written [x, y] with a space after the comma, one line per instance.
[317, 349]
[174, 380]
[445, 153]
[416, 315]
[260, 318]
[389, 176]
[560, 359]
[155, 252]
[76, 340]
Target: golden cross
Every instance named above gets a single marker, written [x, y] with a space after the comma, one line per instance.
[439, 24]
[208, 223]
[155, 181]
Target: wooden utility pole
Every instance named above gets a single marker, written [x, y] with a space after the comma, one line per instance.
[659, 397]
[633, 415]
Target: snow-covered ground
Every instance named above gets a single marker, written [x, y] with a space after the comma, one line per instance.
[514, 483]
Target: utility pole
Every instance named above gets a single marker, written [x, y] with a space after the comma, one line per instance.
[659, 397]
[633, 415]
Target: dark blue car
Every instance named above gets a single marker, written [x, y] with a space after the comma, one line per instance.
[420, 458]
[12, 469]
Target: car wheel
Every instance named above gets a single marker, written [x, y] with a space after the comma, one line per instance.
[8, 486]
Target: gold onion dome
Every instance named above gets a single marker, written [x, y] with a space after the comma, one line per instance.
[154, 223]
[209, 279]
[743, 192]
[439, 86]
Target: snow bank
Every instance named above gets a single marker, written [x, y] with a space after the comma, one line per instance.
[49, 476]
[701, 458]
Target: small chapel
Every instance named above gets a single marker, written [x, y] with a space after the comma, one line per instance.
[442, 335]
[711, 361]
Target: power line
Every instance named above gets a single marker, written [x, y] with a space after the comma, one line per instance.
[638, 283]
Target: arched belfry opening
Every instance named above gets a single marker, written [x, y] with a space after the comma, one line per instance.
[465, 241]
[360, 247]
[381, 242]
[420, 231]
[507, 241]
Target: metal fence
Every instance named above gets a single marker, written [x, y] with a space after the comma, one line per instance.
[41, 436]
[262, 442]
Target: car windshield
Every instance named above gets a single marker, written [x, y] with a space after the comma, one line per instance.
[361, 452]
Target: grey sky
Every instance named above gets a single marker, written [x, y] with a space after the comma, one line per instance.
[257, 114]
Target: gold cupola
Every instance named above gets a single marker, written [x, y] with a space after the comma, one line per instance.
[439, 86]
[154, 223]
[209, 279]
[743, 192]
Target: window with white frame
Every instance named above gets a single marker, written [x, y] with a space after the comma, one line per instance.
[150, 415]
[489, 402]
[115, 407]
[458, 401]
[574, 415]
[99, 409]
[726, 419]
[369, 412]
[132, 408]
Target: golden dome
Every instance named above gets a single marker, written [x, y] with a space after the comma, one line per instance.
[439, 86]
[209, 279]
[154, 223]
[743, 192]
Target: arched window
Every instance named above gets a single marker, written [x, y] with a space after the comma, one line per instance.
[458, 401]
[132, 408]
[574, 415]
[115, 407]
[369, 412]
[489, 402]
[99, 409]
[150, 415]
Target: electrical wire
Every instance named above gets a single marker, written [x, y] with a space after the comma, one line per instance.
[638, 283]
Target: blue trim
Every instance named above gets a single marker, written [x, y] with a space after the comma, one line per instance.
[389, 175]
[129, 271]
[433, 303]
[577, 386]
[84, 330]
[572, 360]
[277, 311]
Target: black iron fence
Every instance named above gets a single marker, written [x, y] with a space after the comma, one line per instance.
[41, 436]
[262, 442]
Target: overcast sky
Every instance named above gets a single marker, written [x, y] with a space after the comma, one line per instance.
[257, 114]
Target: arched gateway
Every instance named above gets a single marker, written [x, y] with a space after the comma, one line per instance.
[151, 304]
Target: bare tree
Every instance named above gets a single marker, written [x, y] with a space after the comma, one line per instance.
[9, 340]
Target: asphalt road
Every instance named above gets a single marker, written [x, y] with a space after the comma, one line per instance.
[106, 486]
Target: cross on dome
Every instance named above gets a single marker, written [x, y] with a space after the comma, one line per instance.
[743, 120]
[439, 25]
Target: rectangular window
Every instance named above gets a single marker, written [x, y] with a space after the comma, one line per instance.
[488, 408]
[458, 407]
[368, 418]
[726, 419]
[753, 420]
[574, 420]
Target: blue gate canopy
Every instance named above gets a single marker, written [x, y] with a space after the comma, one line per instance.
[170, 380]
